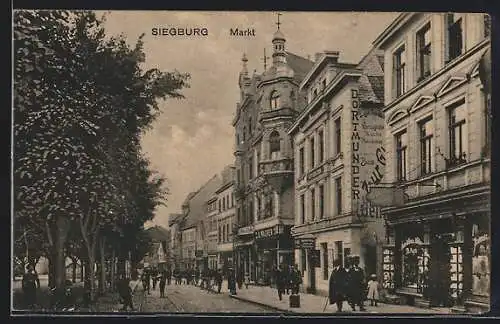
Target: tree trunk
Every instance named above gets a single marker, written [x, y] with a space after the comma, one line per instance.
[121, 265]
[112, 270]
[91, 274]
[60, 269]
[102, 244]
[52, 269]
[82, 270]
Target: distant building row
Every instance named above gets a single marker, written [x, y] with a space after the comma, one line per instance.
[202, 235]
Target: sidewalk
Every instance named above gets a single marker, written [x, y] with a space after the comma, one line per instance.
[313, 304]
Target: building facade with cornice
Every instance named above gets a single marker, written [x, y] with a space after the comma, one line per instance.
[437, 144]
[264, 192]
[338, 157]
[225, 219]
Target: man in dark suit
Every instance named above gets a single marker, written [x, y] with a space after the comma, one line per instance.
[356, 282]
[337, 285]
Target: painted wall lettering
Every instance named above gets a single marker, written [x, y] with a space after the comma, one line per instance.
[378, 172]
[355, 139]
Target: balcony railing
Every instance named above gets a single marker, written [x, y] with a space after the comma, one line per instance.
[282, 112]
[276, 166]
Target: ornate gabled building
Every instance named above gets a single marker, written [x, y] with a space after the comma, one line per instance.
[269, 102]
[338, 155]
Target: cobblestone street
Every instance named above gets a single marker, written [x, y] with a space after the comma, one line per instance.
[190, 299]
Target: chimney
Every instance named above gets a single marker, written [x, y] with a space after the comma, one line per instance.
[333, 55]
[317, 56]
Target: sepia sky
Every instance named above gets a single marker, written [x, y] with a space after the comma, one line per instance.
[193, 138]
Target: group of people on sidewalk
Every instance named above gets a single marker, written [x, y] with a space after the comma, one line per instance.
[348, 284]
[287, 279]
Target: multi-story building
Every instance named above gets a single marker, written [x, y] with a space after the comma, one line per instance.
[212, 239]
[264, 191]
[174, 223]
[226, 218]
[437, 144]
[193, 242]
[189, 248]
[338, 156]
[159, 254]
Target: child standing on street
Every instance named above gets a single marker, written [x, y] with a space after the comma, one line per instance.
[247, 279]
[373, 288]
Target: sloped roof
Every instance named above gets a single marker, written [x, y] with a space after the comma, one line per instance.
[197, 202]
[174, 218]
[227, 175]
[158, 233]
[299, 65]
[372, 81]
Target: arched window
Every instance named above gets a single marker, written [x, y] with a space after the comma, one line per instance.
[244, 133]
[274, 144]
[275, 100]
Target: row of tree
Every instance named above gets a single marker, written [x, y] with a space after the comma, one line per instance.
[83, 188]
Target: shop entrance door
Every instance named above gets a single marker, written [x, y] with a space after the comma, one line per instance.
[439, 268]
[370, 259]
[311, 269]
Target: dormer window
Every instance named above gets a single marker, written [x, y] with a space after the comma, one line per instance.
[275, 100]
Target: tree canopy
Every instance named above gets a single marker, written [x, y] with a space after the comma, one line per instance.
[81, 103]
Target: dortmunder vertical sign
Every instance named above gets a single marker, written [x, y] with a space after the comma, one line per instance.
[355, 139]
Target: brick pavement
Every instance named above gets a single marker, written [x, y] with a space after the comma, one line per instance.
[193, 299]
[266, 296]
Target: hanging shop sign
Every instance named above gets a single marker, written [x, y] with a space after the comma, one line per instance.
[265, 233]
[315, 258]
[272, 231]
[305, 243]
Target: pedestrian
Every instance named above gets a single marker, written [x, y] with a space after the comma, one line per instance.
[154, 277]
[218, 279]
[169, 276]
[30, 284]
[163, 281]
[125, 292]
[337, 285]
[146, 280]
[356, 284]
[296, 280]
[231, 281]
[274, 273]
[373, 290]
[288, 278]
[239, 278]
[280, 282]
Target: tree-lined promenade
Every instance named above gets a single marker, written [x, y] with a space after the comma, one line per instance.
[83, 188]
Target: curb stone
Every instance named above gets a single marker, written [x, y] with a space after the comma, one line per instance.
[283, 310]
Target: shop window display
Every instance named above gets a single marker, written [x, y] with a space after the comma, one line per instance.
[388, 268]
[415, 264]
[480, 260]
